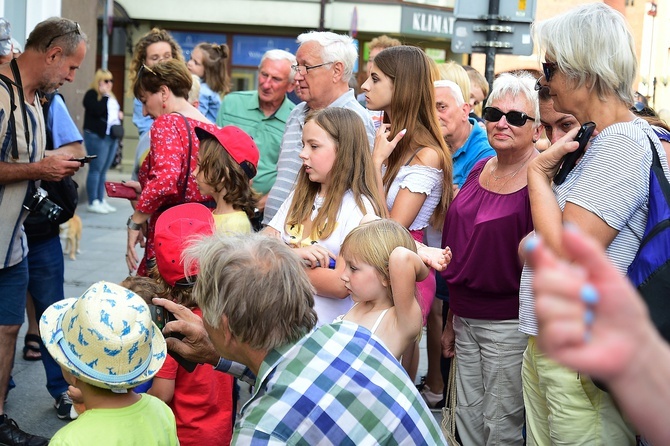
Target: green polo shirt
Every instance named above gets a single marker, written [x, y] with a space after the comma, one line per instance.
[242, 110]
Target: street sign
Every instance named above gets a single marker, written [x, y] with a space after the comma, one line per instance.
[509, 10]
[469, 36]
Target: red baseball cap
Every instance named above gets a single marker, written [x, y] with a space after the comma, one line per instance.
[237, 143]
[175, 230]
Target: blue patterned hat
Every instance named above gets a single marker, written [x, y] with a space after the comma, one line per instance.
[105, 338]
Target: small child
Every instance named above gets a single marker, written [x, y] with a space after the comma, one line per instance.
[381, 271]
[227, 161]
[209, 62]
[203, 400]
[105, 343]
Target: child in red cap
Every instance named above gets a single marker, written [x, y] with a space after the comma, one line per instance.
[202, 401]
[227, 161]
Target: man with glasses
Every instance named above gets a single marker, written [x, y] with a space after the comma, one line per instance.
[53, 52]
[263, 114]
[325, 63]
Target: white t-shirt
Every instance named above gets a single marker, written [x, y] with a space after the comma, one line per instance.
[611, 181]
[348, 217]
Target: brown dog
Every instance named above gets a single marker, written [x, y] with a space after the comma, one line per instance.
[70, 231]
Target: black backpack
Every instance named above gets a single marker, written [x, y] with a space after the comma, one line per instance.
[63, 193]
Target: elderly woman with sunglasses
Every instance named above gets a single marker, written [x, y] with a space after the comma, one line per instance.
[166, 175]
[484, 225]
[590, 67]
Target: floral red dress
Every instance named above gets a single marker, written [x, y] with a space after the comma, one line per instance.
[165, 169]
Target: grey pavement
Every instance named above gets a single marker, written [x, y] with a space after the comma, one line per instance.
[102, 257]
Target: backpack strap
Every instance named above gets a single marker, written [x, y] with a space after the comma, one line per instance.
[657, 168]
[12, 121]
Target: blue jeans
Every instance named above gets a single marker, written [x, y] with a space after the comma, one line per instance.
[45, 284]
[105, 148]
[13, 284]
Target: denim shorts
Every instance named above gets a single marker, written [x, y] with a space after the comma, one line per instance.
[13, 288]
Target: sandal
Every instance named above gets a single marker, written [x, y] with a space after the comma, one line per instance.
[36, 352]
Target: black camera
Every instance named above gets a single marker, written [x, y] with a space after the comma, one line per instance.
[40, 204]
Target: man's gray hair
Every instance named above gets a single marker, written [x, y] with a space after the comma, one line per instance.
[56, 31]
[335, 48]
[280, 55]
[258, 283]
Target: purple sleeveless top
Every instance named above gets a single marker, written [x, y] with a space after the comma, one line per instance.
[483, 230]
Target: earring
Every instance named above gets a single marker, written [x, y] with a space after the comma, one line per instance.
[164, 105]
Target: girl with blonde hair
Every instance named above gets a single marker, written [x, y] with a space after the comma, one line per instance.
[335, 189]
[101, 112]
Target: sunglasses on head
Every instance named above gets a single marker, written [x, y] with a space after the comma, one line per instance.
[144, 68]
[515, 118]
[77, 30]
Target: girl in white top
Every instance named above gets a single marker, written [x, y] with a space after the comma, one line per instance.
[335, 189]
[381, 271]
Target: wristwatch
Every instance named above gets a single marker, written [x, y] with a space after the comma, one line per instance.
[132, 225]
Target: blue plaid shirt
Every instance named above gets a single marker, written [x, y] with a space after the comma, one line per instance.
[336, 386]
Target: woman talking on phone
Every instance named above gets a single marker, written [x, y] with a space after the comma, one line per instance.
[589, 68]
[101, 112]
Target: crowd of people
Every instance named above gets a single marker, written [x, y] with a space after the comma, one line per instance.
[304, 248]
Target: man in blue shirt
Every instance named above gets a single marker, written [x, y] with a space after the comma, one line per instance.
[466, 138]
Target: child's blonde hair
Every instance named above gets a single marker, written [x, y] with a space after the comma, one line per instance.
[352, 170]
[373, 242]
[221, 171]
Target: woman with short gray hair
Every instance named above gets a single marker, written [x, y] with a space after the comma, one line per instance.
[589, 69]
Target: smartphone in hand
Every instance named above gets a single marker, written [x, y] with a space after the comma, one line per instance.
[86, 159]
[160, 316]
[570, 160]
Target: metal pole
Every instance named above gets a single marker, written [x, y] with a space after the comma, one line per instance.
[105, 35]
[491, 36]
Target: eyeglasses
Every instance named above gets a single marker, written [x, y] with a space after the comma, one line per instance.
[515, 118]
[108, 81]
[304, 69]
[77, 30]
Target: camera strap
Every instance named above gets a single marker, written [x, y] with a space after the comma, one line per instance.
[12, 121]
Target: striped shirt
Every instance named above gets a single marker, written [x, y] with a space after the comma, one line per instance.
[612, 182]
[13, 242]
[289, 162]
[336, 386]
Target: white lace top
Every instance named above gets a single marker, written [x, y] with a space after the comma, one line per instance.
[418, 179]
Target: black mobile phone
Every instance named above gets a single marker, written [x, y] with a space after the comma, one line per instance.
[160, 316]
[570, 160]
[86, 159]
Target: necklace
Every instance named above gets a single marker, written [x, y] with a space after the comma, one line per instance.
[511, 175]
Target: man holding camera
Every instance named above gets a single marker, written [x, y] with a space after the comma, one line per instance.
[53, 52]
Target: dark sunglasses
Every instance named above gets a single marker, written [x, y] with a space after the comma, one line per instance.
[108, 81]
[77, 30]
[549, 68]
[515, 118]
